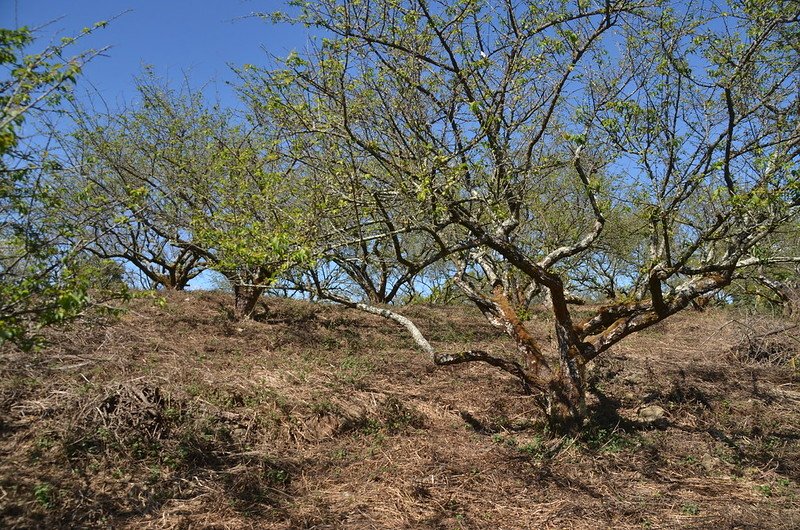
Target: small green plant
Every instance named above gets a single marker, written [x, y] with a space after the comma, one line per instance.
[534, 448]
[44, 442]
[339, 454]
[323, 406]
[277, 476]
[397, 416]
[193, 389]
[508, 441]
[371, 427]
[609, 440]
[353, 370]
[765, 490]
[690, 508]
[44, 494]
[780, 487]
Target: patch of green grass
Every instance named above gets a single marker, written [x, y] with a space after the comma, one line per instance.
[690, 508]
[44, 494]
[508, 441]
[610, 440]
[535, 448]
[43, 443]
[339, 455]
[780, 488]
[371, 427]
[353, 370]
[323, 406]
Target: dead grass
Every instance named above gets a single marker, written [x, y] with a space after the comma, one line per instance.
[317, 417]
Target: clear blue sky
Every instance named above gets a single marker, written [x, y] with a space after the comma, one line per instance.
[197, 37]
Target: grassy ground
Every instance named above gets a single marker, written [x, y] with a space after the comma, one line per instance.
[173, 416]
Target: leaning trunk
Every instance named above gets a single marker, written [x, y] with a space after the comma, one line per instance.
[245, 298]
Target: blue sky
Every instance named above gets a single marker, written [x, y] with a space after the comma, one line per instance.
[198, 38]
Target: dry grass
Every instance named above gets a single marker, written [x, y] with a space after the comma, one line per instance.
[317, 417]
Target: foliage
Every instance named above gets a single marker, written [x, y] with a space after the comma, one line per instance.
[175, 186]
[39, 282]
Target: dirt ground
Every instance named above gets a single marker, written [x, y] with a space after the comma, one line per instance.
[173, 416]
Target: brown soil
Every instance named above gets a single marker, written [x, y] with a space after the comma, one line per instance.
[172, 416]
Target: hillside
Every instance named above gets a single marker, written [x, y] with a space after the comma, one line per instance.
[173, 416]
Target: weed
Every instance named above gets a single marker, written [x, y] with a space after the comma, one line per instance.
[44, 494]
[727, 455]
[154, 475]
[371, 426]
[172, 414]
[508, 441]
[781, 487]
[397, 416]
[274, 474]
[42, 444]
[690, 508]
[324, 407]
[339, 455]
[609, 440]
[534, 449]
[329, 343]
[765, 490]
[193, 389]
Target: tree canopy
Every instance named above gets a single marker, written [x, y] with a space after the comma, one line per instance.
[39, 283]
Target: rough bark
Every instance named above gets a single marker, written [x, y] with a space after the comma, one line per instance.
[245, 299]
[560, 393]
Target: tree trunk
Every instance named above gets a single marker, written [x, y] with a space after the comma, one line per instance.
[245, 298]
[565, 404]
[560, 392]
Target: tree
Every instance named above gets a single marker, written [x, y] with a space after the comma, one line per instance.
[40, 282]
[252, 217]
[685, 117]
[183, 186]
[373, 249]
[122, 190]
